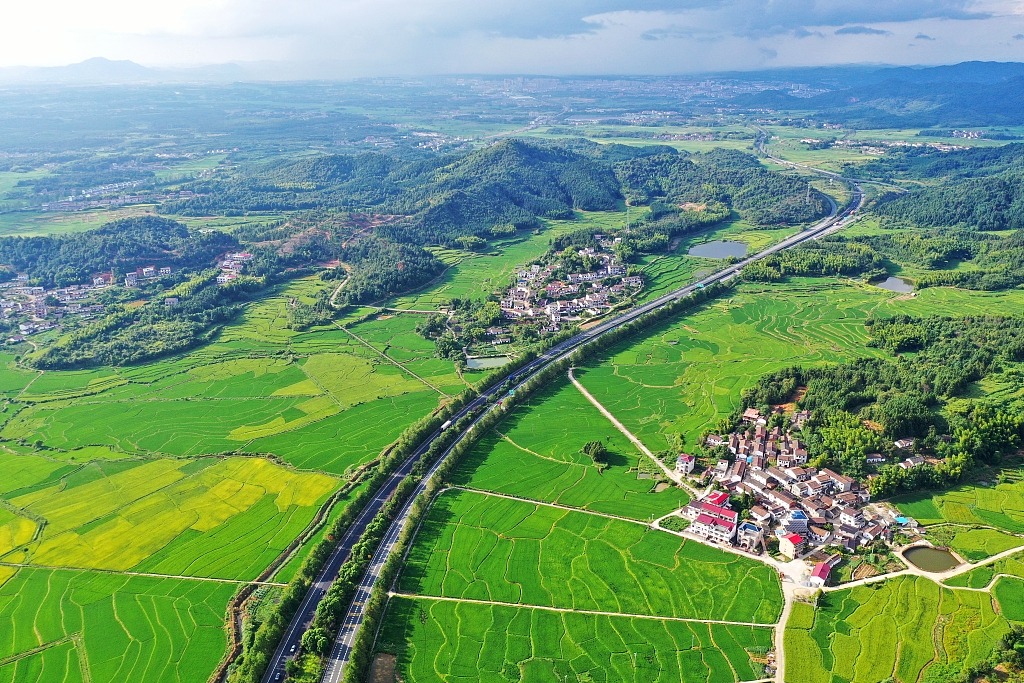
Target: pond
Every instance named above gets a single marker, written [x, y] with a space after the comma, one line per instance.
[487, 362]
[718, 249]
[930, 559]
[895, 284]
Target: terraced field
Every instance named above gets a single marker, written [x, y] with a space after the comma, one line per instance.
[981, 577]
[184, 468]
[66, 626]
[683, 376]
[999, 505]
[449, 641]
[474, 546]
[974, 544]
[904, 628]
[540, 442]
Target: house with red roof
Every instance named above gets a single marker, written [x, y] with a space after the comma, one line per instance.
[713, 528]
[791, 545]
[820, 573]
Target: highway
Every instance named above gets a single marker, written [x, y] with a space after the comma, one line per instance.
[354, 616]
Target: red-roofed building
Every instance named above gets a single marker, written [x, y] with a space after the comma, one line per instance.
[791, 545]
[697, 508]
[719, 512]
[713, 528]
[718, 498]
[820, 573]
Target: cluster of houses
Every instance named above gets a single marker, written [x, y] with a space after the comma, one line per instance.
[232, 266]
[140, 275]
[27, 305]
[803, 507]
[537, 295]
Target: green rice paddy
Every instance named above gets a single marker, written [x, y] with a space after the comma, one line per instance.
[994, 504]
[71, 626]
[684, 375]
[907, 627]
[540, 443]
[478, 547]
[470, 642]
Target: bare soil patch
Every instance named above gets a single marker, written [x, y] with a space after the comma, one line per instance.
[383, 669]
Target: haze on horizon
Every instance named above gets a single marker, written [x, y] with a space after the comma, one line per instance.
[352, 38]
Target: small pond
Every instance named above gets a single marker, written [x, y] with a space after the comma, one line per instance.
[719, 249]
[487, 362]
[931, 559]
[895, 284]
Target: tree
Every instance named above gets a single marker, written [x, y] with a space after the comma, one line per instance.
[596, 451]
[315, 640]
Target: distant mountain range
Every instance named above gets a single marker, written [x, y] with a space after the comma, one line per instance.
[966, 94]
[100, 71]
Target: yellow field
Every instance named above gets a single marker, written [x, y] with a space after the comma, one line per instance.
[14, 531]
[117, 521]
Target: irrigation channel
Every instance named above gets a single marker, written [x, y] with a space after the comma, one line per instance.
[480, 407]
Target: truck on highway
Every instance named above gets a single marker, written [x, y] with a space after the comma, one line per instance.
[446, 425]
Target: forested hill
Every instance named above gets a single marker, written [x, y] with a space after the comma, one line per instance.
[124, 244]
[929, 163]
[513, 182]
[981, 188]
[449, 196]
[726, 176]
[995, 203]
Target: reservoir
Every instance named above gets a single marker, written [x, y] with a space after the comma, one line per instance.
[895, 284]
[931, 559]
[719, 249]
[487, 362]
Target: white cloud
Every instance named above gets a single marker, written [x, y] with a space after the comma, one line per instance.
[360, 37]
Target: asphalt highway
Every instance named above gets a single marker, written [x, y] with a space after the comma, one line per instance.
[481, 405]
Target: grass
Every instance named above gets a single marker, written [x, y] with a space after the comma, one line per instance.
[994, 504]
[901, 628]
[37, 223]
[480, 547]
[167, 516]
[466, 642]
[108, 629]
[540, 442]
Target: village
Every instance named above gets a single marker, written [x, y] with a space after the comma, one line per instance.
[538, 295]
[796, 511]
[35, 309]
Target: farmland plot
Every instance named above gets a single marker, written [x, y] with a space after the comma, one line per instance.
[479, 547]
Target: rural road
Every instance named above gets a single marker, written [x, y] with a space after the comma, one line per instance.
[342, 648]
[669, 472]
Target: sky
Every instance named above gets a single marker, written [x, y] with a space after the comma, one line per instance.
[352, 38]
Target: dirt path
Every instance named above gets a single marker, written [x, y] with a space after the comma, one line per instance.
[337, 290]
[937, 577]
[568, 610]
[558, 506]
[669, 472]
[388, 358]
[240, 582]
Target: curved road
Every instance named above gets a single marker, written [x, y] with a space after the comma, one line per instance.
[354, 616]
